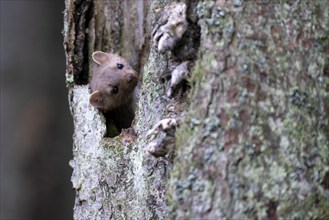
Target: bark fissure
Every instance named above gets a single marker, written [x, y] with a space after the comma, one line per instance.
[83, 13]
[253, 142]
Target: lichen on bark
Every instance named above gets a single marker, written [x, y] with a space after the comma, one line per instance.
[255, 140]
[112, 177]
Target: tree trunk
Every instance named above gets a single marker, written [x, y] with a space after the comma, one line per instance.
[254, 137]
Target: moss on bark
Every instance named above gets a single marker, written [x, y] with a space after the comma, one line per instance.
[255, 140]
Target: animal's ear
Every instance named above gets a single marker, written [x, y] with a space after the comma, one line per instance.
[100, 57]
[96, 99]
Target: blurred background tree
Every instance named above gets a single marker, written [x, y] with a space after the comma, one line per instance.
[36, 126]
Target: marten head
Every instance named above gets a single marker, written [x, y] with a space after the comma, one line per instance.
[113, 81]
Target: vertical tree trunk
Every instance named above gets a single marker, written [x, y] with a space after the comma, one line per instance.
[254, 142]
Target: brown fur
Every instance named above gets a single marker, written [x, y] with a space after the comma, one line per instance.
[117, 103]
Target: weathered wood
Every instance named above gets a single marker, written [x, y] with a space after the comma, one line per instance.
[111, 176]
[255, 140]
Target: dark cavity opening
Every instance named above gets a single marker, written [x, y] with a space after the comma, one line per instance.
[118, 119]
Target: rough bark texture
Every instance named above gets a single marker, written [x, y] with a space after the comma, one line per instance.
[255, 140]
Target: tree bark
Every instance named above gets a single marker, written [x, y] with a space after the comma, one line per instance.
[254, 141]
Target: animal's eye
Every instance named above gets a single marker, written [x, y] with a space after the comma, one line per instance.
[115, 90]
[120, 65]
